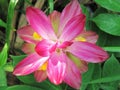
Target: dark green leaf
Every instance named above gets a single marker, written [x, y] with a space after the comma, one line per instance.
[109, 23]
[106, 79]
[113, 5]
[87, 76]
[86, 12]
[2, 23]
[29, 79]
[97, 71]
[108, 87]
[23, 87]
[17, 59]
[110, 71]
[3, 87]
[95, 75]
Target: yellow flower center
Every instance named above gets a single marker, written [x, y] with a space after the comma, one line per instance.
[36, 36]
[80, 38]
[44, 66]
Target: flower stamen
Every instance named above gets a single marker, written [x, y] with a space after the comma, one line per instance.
[80, 39]
[36, 36]
[44, 66]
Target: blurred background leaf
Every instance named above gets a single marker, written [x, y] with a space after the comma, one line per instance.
[113, 5]
[23, 87]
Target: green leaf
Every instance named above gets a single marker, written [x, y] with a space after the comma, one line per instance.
[87, 14]
[51, 5]
[111, 67]
[109, 23]
[3, 87]
[8, 67]
[30, 80]
[2, 23]
[17, 59]
[105, 79]
[111, 71]
[3, 55]
[112, 49]
[87, 76]
[95, 74]
[10, 15]
[108, 87]
[23, 87]
[113, 5]
[3, 81]
[97, 71]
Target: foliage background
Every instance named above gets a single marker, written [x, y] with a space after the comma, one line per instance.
[103, 17]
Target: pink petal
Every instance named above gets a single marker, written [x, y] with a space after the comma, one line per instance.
[26, 33]
[40, 23]
[82, 65]
[88, 52]
[72, 75]
[43, 48]
[28, 48]
[73, 28]
[40, 75]
[56, 67]
[71, 10]
[90, 36]
[29, 64]
[65, 44]
[55, 19]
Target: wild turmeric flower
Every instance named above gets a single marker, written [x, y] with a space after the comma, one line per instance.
[58, 47]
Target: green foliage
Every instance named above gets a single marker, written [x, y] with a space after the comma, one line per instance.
[17, 59]
[109, 23]
[85, 77]
[112, 49]
[113, 5]
[51, 5]
[110, 75]
[23, 87]
[3, 81]
[3, 55]
[2, 23]
[9, 26]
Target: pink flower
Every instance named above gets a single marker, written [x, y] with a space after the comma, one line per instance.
[57, 45]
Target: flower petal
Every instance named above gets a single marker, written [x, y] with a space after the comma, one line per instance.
[26, 33]
[72, 75]
[43, 48]
[40, 75]
[29, 64]
[73, 28]
[88, 52]
[82, 65]
[71, 10]
[55, 19]
[56, 67]
[40, 23]
[28, 48]
[90, 36]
